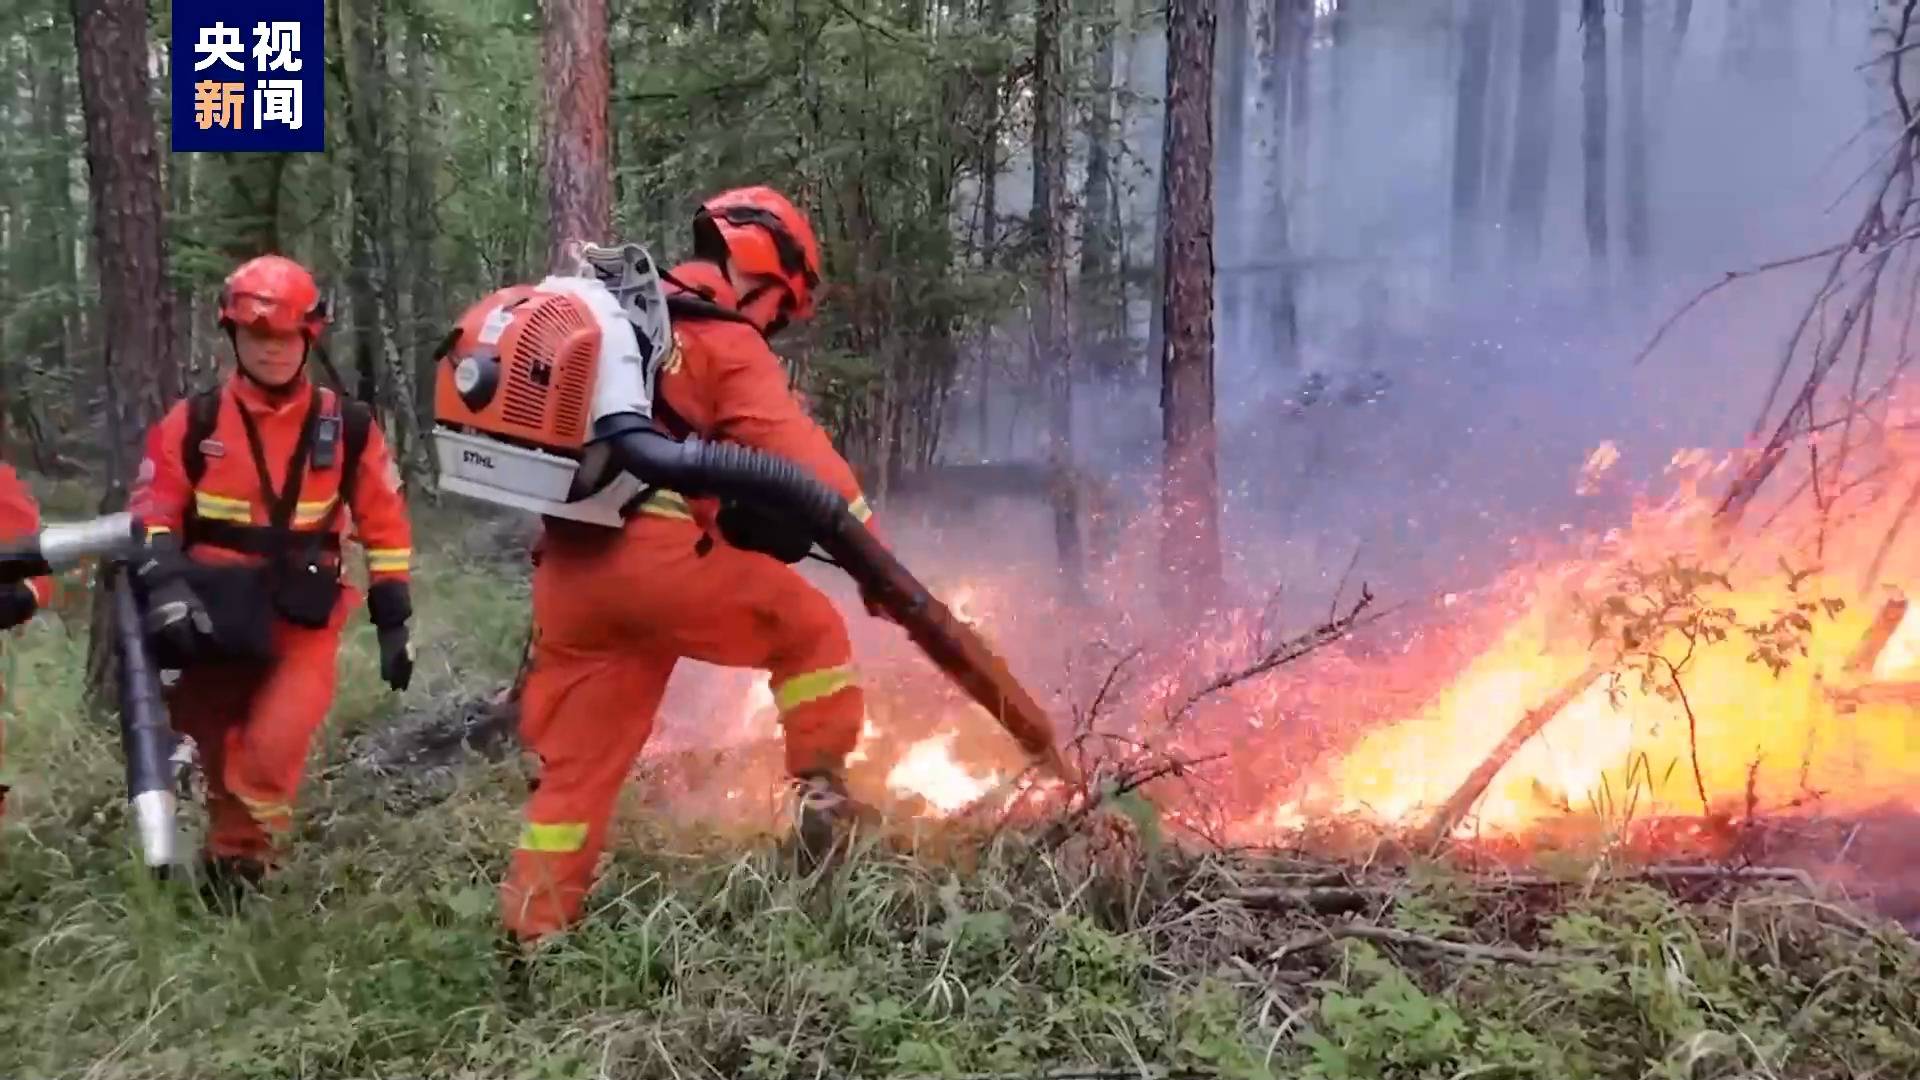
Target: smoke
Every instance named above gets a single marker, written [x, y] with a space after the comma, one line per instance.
[1431, 420]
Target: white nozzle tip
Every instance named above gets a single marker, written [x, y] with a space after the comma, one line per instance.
[153, 815]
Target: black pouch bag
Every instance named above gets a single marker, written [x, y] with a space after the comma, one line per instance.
[236, 601]
[306, 587]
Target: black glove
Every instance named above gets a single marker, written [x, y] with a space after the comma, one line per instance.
[176, 621]
[751, 527]
[390, 605]
[396, 656]
[17, 604]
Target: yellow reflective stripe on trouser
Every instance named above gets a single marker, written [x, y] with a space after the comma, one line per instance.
[667, 504]
[221, 508]
[811, 686]
[269, 814]
[388, 560]
[558, 838]
[859, 509]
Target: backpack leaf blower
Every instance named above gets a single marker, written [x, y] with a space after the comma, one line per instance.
[146, 739]
[544, 401]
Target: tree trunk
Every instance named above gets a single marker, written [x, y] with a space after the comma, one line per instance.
[1190, 548]
[1633, 76]
[1533, 127]
[577, 76]
[138, 367]
[424, 285]
[1269, 282]
[1676, 41]
[1502, 72]
[1055, 340]
[362, 28]
[1102, 298]
[1593, 138]
[1470, 130]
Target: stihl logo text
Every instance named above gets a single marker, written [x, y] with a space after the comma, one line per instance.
[475, 457]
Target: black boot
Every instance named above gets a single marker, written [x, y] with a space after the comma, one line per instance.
[227, 880]
[823, 815]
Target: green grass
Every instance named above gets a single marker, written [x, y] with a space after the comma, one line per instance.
[377, 954]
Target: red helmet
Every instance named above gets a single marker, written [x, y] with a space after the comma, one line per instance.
[274, 293]
[763, 233]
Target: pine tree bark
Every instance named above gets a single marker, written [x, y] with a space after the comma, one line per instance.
[1053, 333]
[1190, 546]
[138, 368]
[1593, 137]
[577, 76]
[1470, 130]
[1633, 78]
[1533, 128]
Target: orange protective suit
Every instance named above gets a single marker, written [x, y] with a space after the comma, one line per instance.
[254, 722]
[20, 516]
[615, 611]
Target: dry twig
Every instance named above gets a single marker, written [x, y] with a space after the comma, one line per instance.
[1406, 939]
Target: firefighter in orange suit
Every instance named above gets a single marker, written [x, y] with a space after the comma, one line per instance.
[246, 490]
[615, 611]
[19, 516]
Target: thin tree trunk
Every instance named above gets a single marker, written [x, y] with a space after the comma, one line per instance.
[1102, 298]
[1593, 138]
[577, 75]
[362, 28]
[1190, 548]
[1502, 72]
[1055, 337]
[1633, 76]
[1533, 128]
[138, 367]
[1470, 130]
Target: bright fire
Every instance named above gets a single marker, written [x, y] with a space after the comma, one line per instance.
[1644, 727]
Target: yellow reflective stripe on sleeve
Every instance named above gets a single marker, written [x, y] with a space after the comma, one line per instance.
[221, 508]
[667, 504]
[811, 686]
[159, 530]
[310, 513]
[388, 560]
[557, 838]
[859, 509]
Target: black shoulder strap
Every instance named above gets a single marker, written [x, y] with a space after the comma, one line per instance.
[358, 416]
[203, 415]
[694, 307]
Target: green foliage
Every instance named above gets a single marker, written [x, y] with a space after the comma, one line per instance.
[1655, 610]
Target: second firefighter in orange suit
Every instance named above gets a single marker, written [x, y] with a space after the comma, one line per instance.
[614, 612]
[247, 491]
[19, 516]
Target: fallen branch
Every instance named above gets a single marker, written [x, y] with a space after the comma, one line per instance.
[1406, 939]
[1323, 899]
[1455, 809]
[1284, 653]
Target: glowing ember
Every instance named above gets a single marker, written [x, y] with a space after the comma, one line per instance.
[928, 769]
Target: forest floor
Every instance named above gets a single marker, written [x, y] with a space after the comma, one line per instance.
[376, 952]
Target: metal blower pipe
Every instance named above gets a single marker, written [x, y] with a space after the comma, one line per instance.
[146, 739]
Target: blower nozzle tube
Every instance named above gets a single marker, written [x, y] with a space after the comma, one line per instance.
[145, 737]
[699, 468]
[60, 545]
